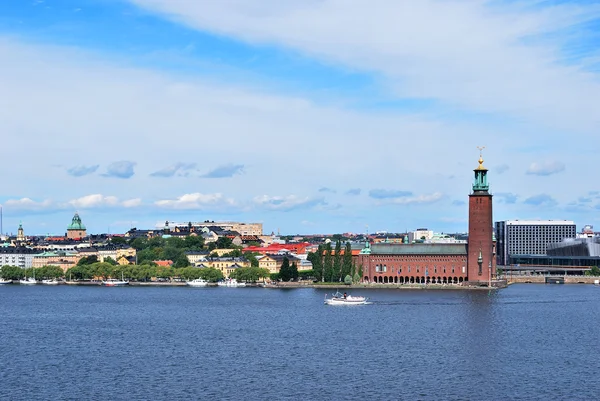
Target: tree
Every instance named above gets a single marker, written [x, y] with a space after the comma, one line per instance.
[348, 280]
[594, 271]
[251, 256]
[110, 260]
[118, 241]
[224, 243]
[211, 274]
[49, 272]
[194, 243]
[347, 261]
[285, 273]
[316, 258]
[294, 271]
[11, 272]
[337, 262]
[87, 260]
[328, 264]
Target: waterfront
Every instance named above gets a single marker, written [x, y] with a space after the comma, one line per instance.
[525, 342]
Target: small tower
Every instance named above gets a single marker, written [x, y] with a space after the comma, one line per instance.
[76, 230]
[481, 261]
[20, 233]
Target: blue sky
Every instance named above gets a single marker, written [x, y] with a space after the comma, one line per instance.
[309, 116]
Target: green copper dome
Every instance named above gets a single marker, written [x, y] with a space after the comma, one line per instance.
[76, 223]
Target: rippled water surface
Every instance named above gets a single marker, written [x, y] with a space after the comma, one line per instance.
[526, 342]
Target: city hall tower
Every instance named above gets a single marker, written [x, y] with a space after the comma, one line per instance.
[481, 254]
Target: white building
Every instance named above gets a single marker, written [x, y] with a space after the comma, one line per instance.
[420, 234]
[21, 256]
[530, 237]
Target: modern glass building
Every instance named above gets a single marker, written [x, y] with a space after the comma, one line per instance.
[529, 237]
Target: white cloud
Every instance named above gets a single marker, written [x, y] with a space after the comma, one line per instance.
[94, 201]
[287, 203]
[475, 54]
[197, 201]
[421, 199]
[25, 204]
[135, 202]
[546, 168]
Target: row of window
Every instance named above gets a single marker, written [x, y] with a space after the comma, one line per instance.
[383, 269]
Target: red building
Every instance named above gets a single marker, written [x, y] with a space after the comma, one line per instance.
[297, 248]
[473, 262]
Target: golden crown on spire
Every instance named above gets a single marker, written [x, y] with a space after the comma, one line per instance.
[480, 167]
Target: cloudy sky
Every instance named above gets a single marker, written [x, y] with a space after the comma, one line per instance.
[311, 116]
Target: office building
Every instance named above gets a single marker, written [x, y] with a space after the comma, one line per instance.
[529, 237]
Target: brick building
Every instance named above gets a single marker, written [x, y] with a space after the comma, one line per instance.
[451, 263]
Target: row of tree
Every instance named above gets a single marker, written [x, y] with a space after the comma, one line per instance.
[334, 266]
[41, 273]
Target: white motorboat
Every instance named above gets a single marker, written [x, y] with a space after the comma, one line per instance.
[50, 282]
[230, 282]
[3, 281]
[344, 299]
[28, 281]
[199, 282]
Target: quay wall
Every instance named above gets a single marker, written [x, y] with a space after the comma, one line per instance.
[540, 279]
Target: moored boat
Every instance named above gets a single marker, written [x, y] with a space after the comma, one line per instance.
[199, 282]
[113, 282]
[28, 281]
[230, 282]
[50, 282]
[344, 299]
[4, 281]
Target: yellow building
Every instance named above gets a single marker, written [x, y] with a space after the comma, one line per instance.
[225, 265]
[267, 262]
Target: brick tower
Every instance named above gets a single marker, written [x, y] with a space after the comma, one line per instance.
[481, 262]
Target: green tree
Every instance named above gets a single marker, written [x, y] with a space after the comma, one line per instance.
[285, 273]
[348, 280]
[251, 256]
[211, 274]
[294, 271]
[118, 241]
[194, 243]
[88, 260]
[12, 272]
[316, 258]
[110, 260]
[224, 243]
[337, 262]
[49, 272]
[328, 264]
[594, 271]
[347, 261]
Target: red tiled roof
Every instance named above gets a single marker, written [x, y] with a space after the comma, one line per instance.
[164, 262]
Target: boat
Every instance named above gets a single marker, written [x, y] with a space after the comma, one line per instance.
[113, 282]
[28, 281]
[50, 281]
[199, 282]
[344, 299]
[230, 282]
[3, 281]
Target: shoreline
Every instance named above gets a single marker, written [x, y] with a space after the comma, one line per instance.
[294, 285]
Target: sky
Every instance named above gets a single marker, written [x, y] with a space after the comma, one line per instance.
[311, 116]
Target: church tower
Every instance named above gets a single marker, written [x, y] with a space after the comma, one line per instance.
[481, 262]
[76, 230]
[20, 233]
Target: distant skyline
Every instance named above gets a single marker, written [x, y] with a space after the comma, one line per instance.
[308, 116]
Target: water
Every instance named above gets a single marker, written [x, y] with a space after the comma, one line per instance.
[527, 342]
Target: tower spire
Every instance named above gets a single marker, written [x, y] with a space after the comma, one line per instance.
[480, 184]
